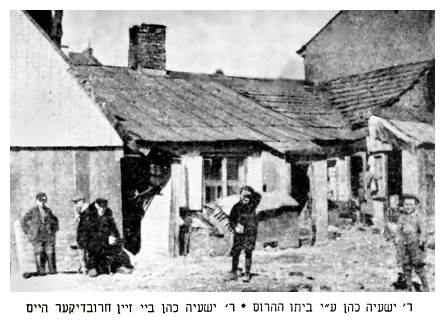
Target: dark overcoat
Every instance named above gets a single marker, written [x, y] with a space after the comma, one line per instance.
[38, 230]
[245, 214]
[94, 231]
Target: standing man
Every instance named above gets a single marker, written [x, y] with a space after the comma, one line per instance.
[244, 222]
[80, 206]
[411, 242]
[40, 226]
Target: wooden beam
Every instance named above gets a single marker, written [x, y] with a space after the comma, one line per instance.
[194, 189]
[224, 176]
[319, 193]
[173, 228]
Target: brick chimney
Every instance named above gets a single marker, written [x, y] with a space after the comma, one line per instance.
[147, 47]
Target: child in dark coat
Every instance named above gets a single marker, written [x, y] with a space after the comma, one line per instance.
[244, 222]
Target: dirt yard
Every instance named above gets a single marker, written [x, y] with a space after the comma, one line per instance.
[356, 261]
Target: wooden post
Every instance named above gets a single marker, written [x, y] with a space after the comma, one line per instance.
[173, 228]
[380, 169]
[224, 176]
[194, 182]
[344, 178]
[320, 197]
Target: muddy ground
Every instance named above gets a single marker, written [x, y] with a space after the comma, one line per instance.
[358, 260]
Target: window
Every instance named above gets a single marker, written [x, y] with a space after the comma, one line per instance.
[233, 166]
[222, 177]
[213, 169]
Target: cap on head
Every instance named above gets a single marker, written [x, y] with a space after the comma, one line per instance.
[248, 189]
[411, 196]
[103, 203]
[41, 196]
[78, 197]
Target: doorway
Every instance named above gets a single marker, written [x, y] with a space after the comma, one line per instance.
[395, 173]
[300, 184]
[357, 176]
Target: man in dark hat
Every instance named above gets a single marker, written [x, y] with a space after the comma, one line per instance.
[411, 241]
[244, 222]
[99, 236]
[40, 226]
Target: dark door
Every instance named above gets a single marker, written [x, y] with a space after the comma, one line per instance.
[357, 180]
[300, 185]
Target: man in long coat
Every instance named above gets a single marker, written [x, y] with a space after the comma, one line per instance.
[40, 226]
[99, 236]
[244, 222]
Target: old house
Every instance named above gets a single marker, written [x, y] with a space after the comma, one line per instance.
[358, 41]
[156, 142]
[201, 135]
[375, 68]
[148, 140]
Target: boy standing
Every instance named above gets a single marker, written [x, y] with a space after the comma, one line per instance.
[244, 221]
[411, 242]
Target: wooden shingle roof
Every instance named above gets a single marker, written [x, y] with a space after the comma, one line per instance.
[357, 97]
[179, 109]
[295, 99]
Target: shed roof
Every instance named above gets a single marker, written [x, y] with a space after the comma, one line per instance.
[401, 133]
[359, 96]
[174, 108]
[84, 58]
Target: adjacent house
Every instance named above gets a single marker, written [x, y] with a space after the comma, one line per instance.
[377, 69]
[358, 41]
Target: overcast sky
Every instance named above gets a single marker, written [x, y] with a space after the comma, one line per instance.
[244, 43]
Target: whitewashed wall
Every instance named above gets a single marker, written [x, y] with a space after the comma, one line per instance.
[155, 225]
[276, 173]
[48, 106]
[254, 172]
[410, 173]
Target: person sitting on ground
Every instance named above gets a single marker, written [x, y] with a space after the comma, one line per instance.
[411, 242]
[244, 222]
[99, 236]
